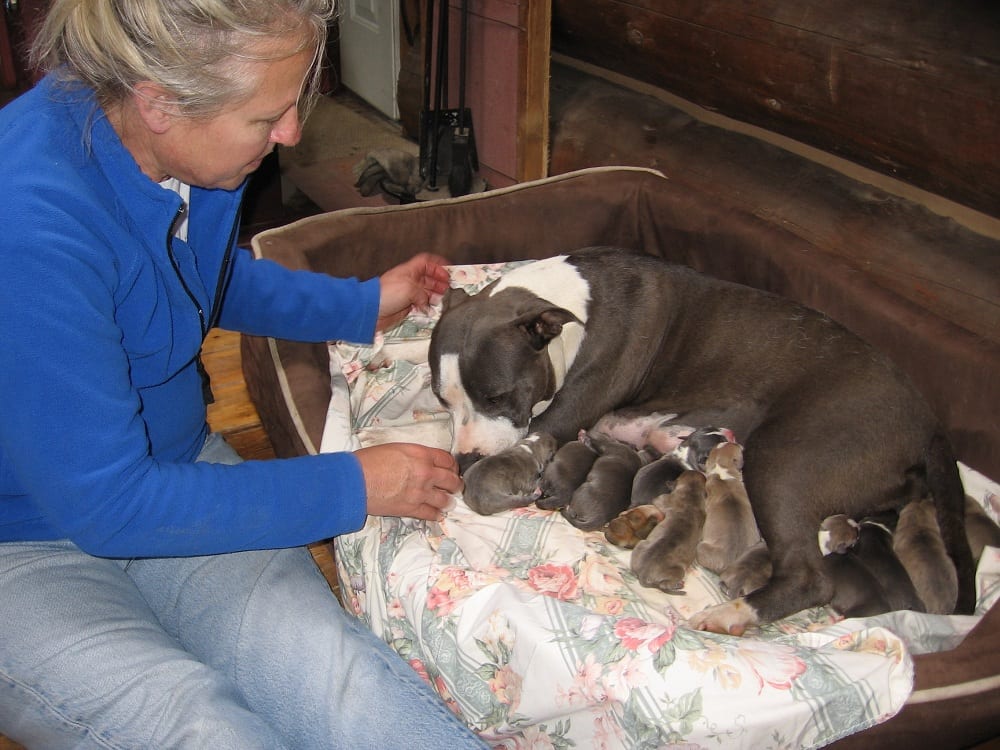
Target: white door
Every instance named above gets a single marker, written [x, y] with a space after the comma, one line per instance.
[369, 51]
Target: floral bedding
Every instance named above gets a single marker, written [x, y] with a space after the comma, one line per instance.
[539, 636]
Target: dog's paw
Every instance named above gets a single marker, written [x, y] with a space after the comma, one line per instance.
[728, 618]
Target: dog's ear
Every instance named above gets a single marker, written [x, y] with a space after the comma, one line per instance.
[542, 327]
[453, 298]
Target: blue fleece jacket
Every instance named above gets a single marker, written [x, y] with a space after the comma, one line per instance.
[102, 316]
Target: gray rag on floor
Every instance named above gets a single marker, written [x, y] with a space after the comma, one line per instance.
[389, 170]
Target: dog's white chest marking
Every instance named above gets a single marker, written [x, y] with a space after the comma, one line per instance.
[555, 280]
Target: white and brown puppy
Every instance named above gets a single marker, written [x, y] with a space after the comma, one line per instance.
[827, 423]
[565, 473]
[662, 559]
[837, 534]
[918, 545]
[981, 530]
[730, 528]
[606, 491]
[509, 479]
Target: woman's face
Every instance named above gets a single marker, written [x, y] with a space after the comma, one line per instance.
[220, 151]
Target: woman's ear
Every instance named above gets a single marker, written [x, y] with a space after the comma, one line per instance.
[154, 106]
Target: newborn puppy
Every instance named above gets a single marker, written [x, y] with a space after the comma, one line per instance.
[696, 447]
[655, 479]
[567, 471]
[981, 530]
[605, 493]
[730, 527]
[837, 534]
[631, 427]
[508, 479]
[748, 572]
[633, 525]
[880, 583]
[856, 593]
[662, 559]
[666, 438]
[919, 547]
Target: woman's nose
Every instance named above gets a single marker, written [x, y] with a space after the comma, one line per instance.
[288, 130]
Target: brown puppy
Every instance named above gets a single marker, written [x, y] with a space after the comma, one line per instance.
[662, 559]
[918, 545]
[567, 471]
[508, 479]
[633, 525]
[607, 489]
[981, 530]
[730, 528]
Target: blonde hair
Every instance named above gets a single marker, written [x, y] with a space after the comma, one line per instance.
[197, 50]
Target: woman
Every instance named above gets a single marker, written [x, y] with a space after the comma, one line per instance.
[155, 592]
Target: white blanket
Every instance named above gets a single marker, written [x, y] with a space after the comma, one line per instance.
[539, 635]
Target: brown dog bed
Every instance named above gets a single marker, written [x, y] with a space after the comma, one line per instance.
[957, 693]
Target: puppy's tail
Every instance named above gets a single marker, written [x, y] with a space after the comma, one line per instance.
[945, 486]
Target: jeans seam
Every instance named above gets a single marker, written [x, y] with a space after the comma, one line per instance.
[45, 704]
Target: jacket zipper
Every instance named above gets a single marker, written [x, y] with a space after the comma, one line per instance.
[220, 286]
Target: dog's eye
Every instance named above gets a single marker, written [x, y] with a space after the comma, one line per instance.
[496, 399]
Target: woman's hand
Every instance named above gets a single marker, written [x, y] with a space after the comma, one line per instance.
[406, 479]
[415, 284]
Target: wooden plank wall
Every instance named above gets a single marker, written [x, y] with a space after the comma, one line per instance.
[910, 88]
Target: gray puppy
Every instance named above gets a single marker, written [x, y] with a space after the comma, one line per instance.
[607, 489]
[509, 479]
[881, 582]
[655, 479]
[696, 447]
[730, 527]
[918, 545]
[567, 471]
[662, 559]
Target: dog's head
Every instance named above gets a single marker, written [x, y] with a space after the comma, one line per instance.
[498, 358]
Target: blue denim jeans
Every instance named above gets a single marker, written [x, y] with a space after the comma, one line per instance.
[245, 650]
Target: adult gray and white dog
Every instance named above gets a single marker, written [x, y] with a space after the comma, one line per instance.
[828, 424]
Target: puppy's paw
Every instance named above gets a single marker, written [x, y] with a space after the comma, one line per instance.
[728, 618]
